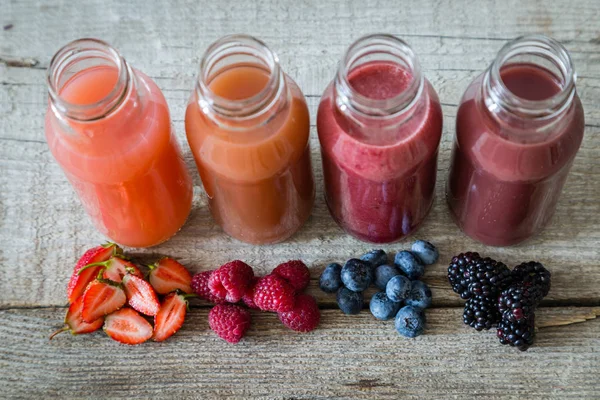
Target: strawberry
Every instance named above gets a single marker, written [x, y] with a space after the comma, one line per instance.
[81, 277]
[167, 275]
[115, 268]
[140, 295]
[74, 322]
[127, 326]
[170, 317]
[100, 298]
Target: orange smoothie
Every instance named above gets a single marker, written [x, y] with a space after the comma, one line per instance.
[125, 165]
[256, 170]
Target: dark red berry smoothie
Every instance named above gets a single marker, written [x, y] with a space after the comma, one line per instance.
[507, 173]
[380, 172]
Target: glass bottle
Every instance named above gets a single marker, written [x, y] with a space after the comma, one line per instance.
[247, 125]
[379, 124]
[518, 129]
[108, 127]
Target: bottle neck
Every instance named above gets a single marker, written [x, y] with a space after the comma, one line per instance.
[104, 81]
[547, 70]
[383, 54]
[240, 58]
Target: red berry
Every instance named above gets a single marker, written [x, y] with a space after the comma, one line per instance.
[295, 272]
[305, 315]
[273, 293]
[127, 326]
[140, 295]
[200, 287]
[248, 298]
[231, 281]
[101, 298]
[168, 275]
[170, 317]
[229, 321]
[74, 322]
[81, 277]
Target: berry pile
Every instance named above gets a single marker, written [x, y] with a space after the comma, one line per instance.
[279, 292]
[106, 289]
[497, 296]
[402, 295]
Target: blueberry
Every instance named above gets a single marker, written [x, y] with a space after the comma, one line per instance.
[331, 279]
[410, 321]
[426, 251]
[398, 288]
[375, 258]
[382, 307]
[420, 295]
[356, 275]
[409, 264]
[349, 302]
[383, 274]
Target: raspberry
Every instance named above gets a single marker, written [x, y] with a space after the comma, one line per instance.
[231, 281]
[295, 272]
[248, 298]
[273, 293]
[200, 287]
[305, 315]
[229, 321]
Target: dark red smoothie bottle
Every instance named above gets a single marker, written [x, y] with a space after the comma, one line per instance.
[518, 128]
[379, 125]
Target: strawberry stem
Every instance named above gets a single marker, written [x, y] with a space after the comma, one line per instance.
[61, 330]
[104, 264]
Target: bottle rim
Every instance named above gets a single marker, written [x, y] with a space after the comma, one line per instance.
[77, 51]
[535, 45]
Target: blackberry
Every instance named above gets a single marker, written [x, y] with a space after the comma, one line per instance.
[481, 313]
[534, 273]
[456, 273]
[487, 277]
[517, 334]
[519, 301]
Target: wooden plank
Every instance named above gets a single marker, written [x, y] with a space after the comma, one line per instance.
[347, 357]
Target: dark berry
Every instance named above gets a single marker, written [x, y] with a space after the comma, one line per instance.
[398, 288]
[517, 334]
[409, 264]
[426, 252]
[519, 301]
[331, 279]
[356, 275]
[349, 302]
[383, 274]
[487, 277]
[534, 273]
[481, 313]
[410, 321]
[382, 307]
[456, 273]
[375, 258]
[419, 296]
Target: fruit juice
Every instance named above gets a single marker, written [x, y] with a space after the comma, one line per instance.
[126, 165]
[503, 189]
[257, 176]
[380, 178]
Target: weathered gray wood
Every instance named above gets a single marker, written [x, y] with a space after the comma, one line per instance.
[347, 357]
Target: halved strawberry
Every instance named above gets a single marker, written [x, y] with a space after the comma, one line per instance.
[167, 275]
[170, 317]
[127, 326]
[141, 295]
[100, 298]
[81, 278]
[74, 322]
[115, 268]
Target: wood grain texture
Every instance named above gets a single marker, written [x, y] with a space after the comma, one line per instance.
[43, 229]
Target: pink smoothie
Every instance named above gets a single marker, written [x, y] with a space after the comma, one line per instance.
[380, 178]
[503, 186]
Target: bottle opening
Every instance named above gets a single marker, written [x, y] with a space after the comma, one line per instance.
[532, 76]
[239, 77]
[379, 76]
[87, 79]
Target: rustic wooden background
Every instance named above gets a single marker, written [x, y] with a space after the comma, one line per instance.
[43, 229]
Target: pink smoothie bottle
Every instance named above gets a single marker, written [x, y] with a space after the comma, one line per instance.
[379, 124]
[518, 129]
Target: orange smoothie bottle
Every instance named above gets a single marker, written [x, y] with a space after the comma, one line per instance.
[108, 126]
[248, 127]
